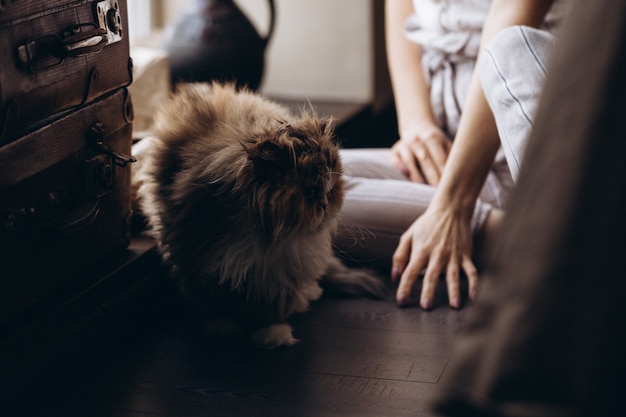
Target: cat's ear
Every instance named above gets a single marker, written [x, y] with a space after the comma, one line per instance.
[268, 151]
[321, 128]
[327, 128]
[268, 155]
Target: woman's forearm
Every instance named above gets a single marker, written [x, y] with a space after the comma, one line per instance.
[411, 92]
[477, 139]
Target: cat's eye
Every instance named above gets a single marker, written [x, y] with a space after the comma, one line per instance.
[310, 192]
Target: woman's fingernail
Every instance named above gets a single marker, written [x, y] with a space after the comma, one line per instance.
[402, 299]
[426, 304]
[455, 302]
[395, 274]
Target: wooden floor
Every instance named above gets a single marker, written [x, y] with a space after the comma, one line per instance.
[357, 357]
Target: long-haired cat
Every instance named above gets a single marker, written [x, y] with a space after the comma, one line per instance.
[242, 200]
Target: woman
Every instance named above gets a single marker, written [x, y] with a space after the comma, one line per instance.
[431, 64]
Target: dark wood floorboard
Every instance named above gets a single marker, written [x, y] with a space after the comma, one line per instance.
[357, 357]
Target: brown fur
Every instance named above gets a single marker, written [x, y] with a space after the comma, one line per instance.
[242, 199]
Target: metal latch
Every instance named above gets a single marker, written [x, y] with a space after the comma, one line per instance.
[110, 18]
[97, 136]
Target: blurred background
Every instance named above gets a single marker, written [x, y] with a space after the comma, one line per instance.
[330, 52]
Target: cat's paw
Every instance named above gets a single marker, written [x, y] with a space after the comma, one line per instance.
[274, 336]
[312, 291]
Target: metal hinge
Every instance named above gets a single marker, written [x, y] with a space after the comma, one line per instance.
[110, 18]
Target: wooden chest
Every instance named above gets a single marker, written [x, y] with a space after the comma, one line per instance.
[65, 142]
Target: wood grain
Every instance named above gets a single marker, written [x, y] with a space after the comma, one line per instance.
[357, 357]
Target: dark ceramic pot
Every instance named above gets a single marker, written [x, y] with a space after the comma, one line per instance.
[214, 40]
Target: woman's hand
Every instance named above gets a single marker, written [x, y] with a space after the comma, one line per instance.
[439, 241]
[421, 153]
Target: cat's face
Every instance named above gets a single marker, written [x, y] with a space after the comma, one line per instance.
[298, 184]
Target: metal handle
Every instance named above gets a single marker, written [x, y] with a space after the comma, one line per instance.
[81, 217]
[270, 30]
[51, 50]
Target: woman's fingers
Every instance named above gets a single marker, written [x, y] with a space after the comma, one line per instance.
[408, 159]
[432, 155]
[431, 280]
[452, 282]
[421, 152]
[410, 275]
[401, 257]
[421, 161]
[407, 264]
[424, 161]
[438, 151]
[437, 243]
[472, 275]
[404, 160]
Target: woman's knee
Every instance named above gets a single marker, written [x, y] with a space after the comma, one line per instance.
[504, 46]
[517, 53]
[513, 72]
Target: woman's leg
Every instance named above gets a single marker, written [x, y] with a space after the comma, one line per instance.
[513, 72]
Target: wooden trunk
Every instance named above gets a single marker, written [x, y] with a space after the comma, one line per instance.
[57, 55]
[64, 200]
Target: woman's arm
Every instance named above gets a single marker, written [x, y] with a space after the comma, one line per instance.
[423, 148]
[441, 240]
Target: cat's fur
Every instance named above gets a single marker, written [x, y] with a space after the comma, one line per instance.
[242, 199]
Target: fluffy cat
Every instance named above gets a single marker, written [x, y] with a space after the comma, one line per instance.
[242, 200]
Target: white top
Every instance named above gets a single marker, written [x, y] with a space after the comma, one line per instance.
[448, 33]
[454, 26]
